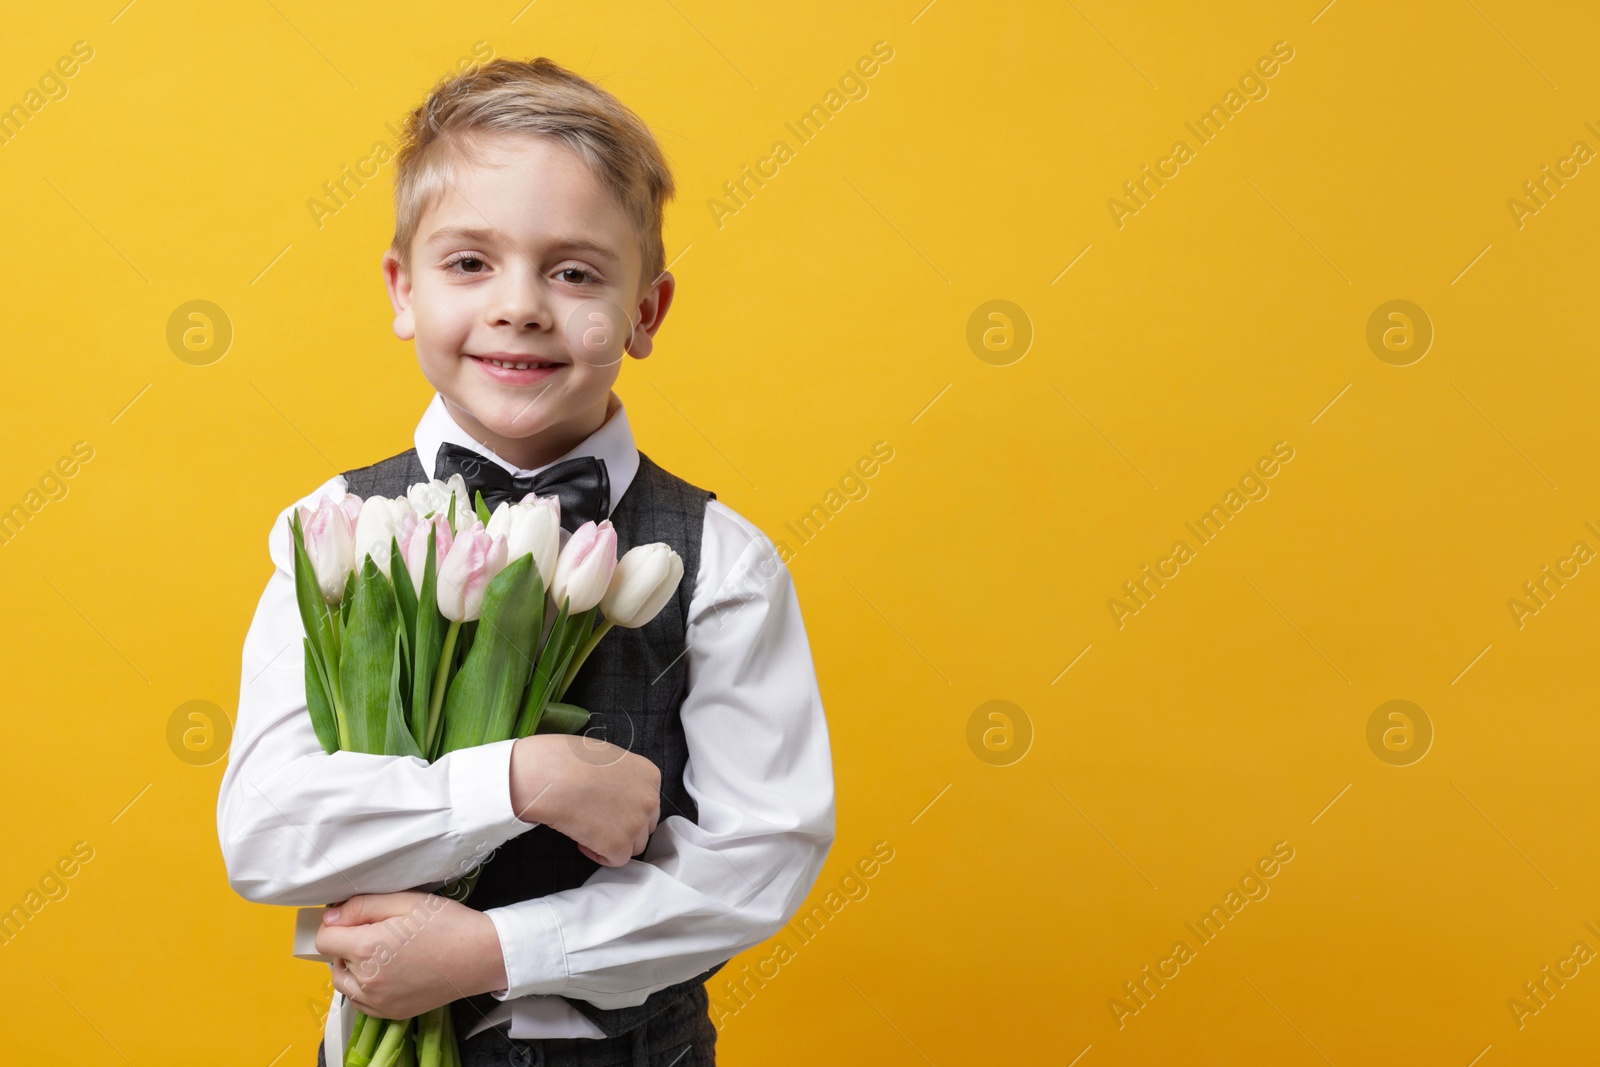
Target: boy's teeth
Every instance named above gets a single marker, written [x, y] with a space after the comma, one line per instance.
[515, 366]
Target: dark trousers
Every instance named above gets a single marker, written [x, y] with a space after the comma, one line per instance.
[682, 1035]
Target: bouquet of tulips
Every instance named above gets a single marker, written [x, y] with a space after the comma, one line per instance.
[433, 625]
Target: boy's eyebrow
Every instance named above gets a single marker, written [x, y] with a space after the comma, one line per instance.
[485, 236]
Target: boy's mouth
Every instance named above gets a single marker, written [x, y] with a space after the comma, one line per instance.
[512, 361]
[516, 370]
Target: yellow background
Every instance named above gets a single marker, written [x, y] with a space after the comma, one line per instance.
[830, 313]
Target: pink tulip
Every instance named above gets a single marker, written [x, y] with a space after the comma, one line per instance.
[475, 558]
[416, 548]
[330, 543]
[583, 570]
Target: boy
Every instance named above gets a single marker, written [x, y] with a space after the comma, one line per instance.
[621, 873]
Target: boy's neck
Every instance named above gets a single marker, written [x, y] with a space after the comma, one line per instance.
[536, 450]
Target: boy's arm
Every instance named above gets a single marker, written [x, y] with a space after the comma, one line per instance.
[761, 774]
[301, 826]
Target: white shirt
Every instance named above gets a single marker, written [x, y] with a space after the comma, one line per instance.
[300, 826]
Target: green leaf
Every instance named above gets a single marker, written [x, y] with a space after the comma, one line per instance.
[434, 734]
[325, 638]
[405, 594]
[481, 704]
[586, 626]
[544, 675]
[480, 507]
[553, 697]
[561, 718]
[307, 593]
[578, 636]
[397, 735]
[428, 641]
[405, 599]
[366, 660]
[318, 702]
[450, 516]
[344, 601]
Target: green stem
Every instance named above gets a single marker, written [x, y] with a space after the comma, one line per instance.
[388, 1054]
[371, 1030]
[583, 654]
[335, 625]
[355, 1037]
[430, 1030]
[335, 688]
[336, 696]
[440, 676]
[447, 1044]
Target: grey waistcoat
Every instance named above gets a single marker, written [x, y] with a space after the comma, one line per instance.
[632, 685]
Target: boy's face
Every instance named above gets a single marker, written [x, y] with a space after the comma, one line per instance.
[526, 259]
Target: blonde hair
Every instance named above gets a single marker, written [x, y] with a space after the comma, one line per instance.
[540, 98]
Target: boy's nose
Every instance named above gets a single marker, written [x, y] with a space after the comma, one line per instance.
[522, 300]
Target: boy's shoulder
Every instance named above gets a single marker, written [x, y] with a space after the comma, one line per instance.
[732, 541]
[662, 480]
[388, 477]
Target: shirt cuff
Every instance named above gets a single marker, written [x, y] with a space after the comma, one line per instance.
[480, 796]
[530, 941]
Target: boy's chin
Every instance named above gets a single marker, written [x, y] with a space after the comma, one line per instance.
[518, 411]
[507, 414]
[519, 414]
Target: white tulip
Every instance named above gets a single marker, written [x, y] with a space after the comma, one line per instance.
[383, 520]
[426, 497]
[645, 579]
[429, 497]
[531, 526]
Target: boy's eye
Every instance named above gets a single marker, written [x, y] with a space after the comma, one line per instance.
[460, 260]
[586, 276]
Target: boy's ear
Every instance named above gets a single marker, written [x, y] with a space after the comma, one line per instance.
[398, 282]
[652, 309]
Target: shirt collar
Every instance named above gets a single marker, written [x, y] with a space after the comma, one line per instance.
[612, 442]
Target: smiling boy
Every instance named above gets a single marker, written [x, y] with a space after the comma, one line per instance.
[621, 870]
[491, 330]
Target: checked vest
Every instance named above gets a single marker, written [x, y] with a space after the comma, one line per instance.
[632, 685]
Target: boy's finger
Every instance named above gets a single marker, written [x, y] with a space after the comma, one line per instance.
[368, 908]
[344, 980]
[340, 942]
[345, 912]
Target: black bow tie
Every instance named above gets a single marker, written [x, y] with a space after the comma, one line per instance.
[581, 483]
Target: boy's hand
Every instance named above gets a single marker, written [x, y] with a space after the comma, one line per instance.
[398, 955]
[605, 798]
